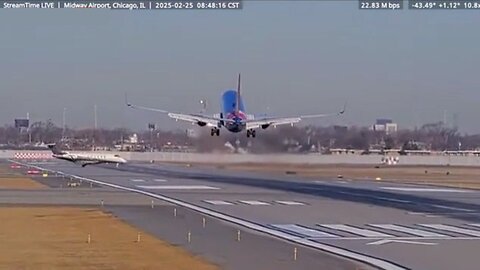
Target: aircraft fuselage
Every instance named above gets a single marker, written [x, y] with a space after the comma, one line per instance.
[229, 100]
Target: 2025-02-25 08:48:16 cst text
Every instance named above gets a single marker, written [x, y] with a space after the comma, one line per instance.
[197, 5]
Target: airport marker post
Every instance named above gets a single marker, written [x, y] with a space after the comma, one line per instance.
[294, 253]
[175, 212]
[152, 204]
[138, 238]
[238, 235]
[203, 222]
[189, 237]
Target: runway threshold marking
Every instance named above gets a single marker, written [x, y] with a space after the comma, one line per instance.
[412, 231]
[383, 264]
[218, 202]
[354, 230]
[180, 187]
[450, 228]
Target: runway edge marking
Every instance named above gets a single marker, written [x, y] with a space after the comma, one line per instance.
[386, 265]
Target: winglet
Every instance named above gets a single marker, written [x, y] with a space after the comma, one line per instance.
[126, 101]
[344, 108]
[237, 105]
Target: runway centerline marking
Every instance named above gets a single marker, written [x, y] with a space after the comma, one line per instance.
[427, 189]
[354, 230]
[387, 241]
[254, 202]
[307, 232]
[392, 199]
[159, 180]
[289, 202]
[137, 180]
[180, 187]
[452, 208]
[218, 202]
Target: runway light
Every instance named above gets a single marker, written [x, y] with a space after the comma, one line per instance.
[378, 178]
[138, 238]
[203, 222]
[294, 253]
[89, 238]
[189, 236]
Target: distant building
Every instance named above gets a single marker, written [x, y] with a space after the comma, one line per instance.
[385, 125]
[383, 121]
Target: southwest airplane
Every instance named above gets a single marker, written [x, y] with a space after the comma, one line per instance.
[86, 158]
[233, 116]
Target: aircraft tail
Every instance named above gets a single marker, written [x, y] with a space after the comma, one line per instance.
[237, 104]
[53, 147]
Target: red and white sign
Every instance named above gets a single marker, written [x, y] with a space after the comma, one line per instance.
[32, 155]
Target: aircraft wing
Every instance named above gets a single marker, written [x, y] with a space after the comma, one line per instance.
[193, 118]
[277, 121]
[253, 124]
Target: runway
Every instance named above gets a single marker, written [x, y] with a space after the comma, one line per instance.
[397, 224]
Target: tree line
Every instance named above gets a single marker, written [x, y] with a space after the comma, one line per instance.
[432, 136]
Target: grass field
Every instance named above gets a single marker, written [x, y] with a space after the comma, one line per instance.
[56, 238]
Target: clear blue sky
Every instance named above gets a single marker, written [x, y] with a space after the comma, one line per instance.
[295, 58]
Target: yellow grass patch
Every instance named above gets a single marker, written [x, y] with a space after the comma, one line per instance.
[19, 183]
[13, 179]
[56, 238]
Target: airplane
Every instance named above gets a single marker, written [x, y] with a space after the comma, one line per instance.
[86, 158]
[233, 116]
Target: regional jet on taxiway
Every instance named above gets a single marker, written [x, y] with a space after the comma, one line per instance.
[233, 116]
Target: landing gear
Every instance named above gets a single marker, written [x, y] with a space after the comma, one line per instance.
[251, 132]
[215, 131]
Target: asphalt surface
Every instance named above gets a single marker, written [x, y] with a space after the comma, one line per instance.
[414, 226]
[226, 245]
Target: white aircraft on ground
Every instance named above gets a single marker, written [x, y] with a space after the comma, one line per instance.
[86, 158]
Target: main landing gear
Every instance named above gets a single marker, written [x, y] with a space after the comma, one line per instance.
[251, 132]
[215, 131]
